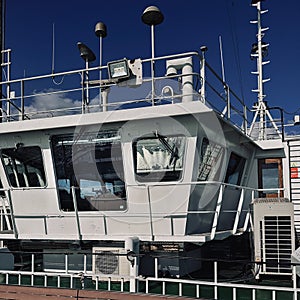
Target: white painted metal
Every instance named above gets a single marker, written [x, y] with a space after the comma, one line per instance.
[215, 284]
[274, 235]
[156, 211]
[185, 65]
[110, 262]
[294, 175]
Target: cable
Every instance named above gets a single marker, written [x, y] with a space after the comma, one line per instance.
[53, 57]
[236, 48]
[291, 113]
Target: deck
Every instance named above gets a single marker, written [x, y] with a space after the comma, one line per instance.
[41, 293]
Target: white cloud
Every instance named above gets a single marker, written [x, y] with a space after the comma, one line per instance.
[52, 103]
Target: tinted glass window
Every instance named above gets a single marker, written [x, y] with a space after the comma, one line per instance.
[89, 168]
[24, 166]
[211, 155]
[159, 158]
[235, 169]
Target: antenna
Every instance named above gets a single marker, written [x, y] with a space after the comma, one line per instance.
[222, 60]
[225, 86]
[2, 46]
[259, 51]
[101, 32]
[53, 47]
[152, 16]
[53, 57]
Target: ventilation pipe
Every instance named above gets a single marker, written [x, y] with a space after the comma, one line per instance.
[185, 65]
[132, 248]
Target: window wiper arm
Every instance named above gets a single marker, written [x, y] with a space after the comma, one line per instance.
[172, 150]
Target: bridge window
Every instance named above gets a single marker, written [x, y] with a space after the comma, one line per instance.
[24, 166]
[211, 155]
[235, 169]
[89, 168]
[159, 158]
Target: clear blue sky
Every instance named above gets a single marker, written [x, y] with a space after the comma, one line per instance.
[188, 25]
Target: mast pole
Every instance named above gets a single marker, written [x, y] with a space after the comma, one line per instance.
[259, 51]
[2, 24]
[261, 103]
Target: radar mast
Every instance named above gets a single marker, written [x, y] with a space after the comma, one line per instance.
[259, 51]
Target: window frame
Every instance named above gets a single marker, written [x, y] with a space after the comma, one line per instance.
[16, 170]
[102, 201]
[159, 176]
[218, 162]
[240, 173]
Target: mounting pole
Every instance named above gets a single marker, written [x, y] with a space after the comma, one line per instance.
[152, 16]
[260, 97]
[87, 55]
[259, 51]
[2, 39]
[101, 32]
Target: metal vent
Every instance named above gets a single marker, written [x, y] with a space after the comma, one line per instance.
[276, 243]
[107, 263]
[110, 262]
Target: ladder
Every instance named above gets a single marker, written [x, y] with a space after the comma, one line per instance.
[294, 172]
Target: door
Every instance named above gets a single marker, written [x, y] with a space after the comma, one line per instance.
[270, 177]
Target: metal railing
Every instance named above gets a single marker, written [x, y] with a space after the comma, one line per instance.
[85, 279]
[240, 214]
[77, 91]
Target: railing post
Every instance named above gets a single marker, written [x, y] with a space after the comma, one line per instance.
[253, 294]
[12, 214]
[150, 212]
[84, 263]
[4, 214]
[32, 269]
[228, 102]
[83, 99]
[245, 119]
[202, 73]
[217, 213]
[156, 266]
[22, 101]
[76, 212]
[32, 262]
[238, 211]
[294, 281]
[66, 263]
[215, 280]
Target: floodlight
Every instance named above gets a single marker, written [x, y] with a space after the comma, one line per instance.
[118, 69]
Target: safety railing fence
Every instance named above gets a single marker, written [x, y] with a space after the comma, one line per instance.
[77, 91]
[211, 287]
[237, 215]
[225, 101]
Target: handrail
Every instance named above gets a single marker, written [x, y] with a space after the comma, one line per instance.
[152, 216]
[82, 275]
[70, 86]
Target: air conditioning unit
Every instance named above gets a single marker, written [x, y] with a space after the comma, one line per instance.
[273, 235]
[110, 263]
